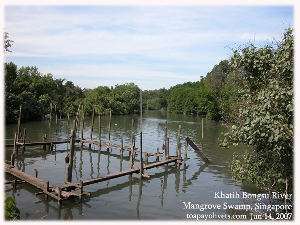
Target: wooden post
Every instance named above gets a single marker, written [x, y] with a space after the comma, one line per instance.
[72, 149]
[157, 154]
[185, 152]
[56, 121]
[78, 120]
[122, 143]
[35, 173]
[14, 183]
[59, 195]
[19, 123]
[141, 135]
[80, 189]
[146, 158]
[47, 189]
[50, 114]
[166, 132]
[12, 159]
[132, 134]
[109, 128]
[15, 142]
[178, 144]
[141, 156]
[24, 139]
[200, 153]
[167, 149]
[92, 126]
[131, 157]
[44, 138]
[121, 160]
[99, 131]
[202, 133]
[81, 139]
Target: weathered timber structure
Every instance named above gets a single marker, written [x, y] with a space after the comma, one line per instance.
[66, 191]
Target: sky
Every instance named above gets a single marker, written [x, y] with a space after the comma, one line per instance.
[152, 45]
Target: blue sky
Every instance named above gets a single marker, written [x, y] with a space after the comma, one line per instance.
[154, 46]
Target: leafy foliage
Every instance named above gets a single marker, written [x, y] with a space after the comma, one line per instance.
[267, 114]
[11, 210]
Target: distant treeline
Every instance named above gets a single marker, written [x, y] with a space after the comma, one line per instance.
[213, 96]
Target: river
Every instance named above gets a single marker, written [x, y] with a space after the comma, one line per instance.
[193, 191]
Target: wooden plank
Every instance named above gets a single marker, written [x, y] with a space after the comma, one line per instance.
[26, 177]
[39, 183]
[197, 150]
[149, 166]
[110, 176]
[115, 175]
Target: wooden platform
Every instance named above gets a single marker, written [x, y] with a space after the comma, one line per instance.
[63, 192]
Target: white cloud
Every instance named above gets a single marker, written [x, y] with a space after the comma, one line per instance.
[173, 41]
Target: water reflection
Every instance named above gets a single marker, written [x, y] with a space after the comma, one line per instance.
[70, 206]
[128, 196]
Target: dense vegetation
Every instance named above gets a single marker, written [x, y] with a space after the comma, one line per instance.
[266, 113]
[253, 89]
[213, 96]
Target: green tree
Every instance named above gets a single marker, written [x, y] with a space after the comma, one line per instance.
[267, 115]
[99, 97]
[11, 100]
[215, 80]
[127, 99]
